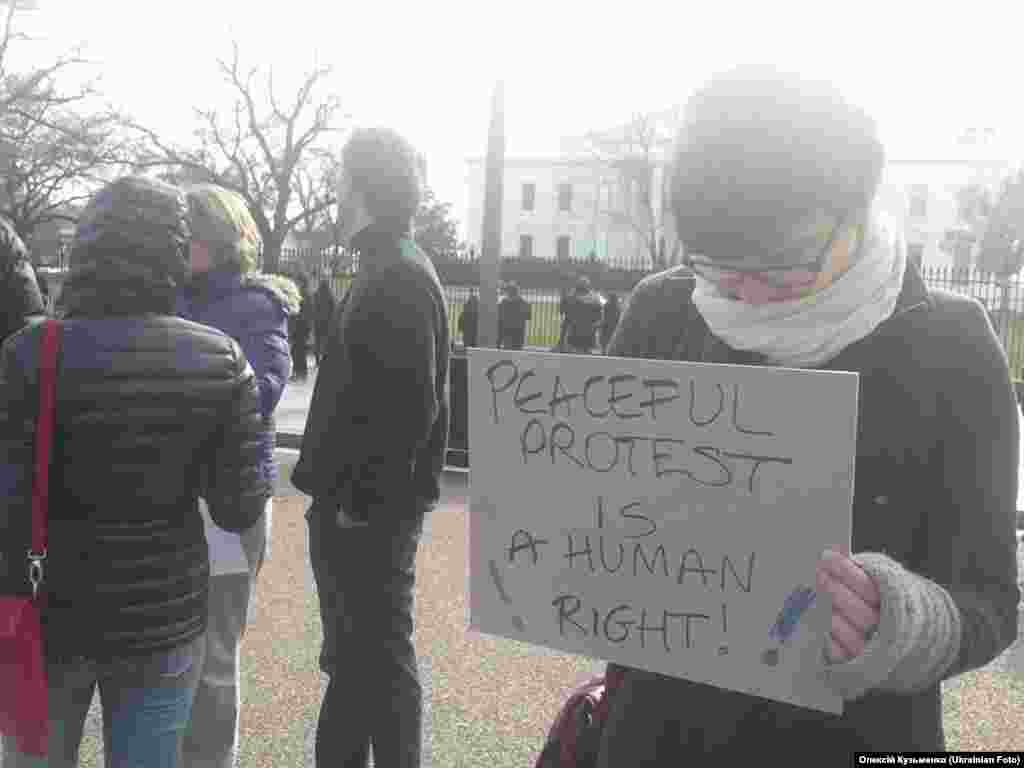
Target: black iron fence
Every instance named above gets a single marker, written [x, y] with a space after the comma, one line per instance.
[1003, 299]
[542, 284]
[634, 262]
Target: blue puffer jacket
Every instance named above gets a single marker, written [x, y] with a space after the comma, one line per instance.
[253, 309]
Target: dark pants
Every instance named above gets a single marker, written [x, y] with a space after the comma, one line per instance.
[513, 340]
[300, 358]
[365, 579]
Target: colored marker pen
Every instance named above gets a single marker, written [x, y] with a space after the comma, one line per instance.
[785, 626]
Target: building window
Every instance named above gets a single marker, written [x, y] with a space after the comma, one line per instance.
[526, 246]
[565, 197]
[919, 200]
[915, 253]
[607, 199]
[562, 248]
[529, 196]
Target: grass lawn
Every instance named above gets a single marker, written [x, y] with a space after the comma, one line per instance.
[542, 330]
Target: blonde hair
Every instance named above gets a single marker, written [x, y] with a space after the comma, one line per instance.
[221, 219]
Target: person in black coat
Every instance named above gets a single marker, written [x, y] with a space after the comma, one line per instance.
[21, 301]
[469, 320]
[610, 320]
[791, 263]
[582, 318]
[325, 305]
[300, 326]
[43, 283]
[372, 454]
[513, 317]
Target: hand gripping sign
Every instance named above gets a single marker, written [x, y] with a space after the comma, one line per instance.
[664, 515]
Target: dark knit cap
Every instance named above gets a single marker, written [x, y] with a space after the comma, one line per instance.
[760, 155]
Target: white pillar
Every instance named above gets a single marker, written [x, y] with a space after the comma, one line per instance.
[490, 253]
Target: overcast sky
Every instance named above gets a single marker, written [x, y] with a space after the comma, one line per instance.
[428, 68]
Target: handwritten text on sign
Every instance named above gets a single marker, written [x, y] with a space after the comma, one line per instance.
[664, 515]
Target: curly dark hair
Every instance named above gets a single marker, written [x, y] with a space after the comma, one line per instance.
[138, 221]
[386, 170]
[131, 250]
[760, 153]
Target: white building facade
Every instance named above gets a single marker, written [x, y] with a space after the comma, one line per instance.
[558, 209]
[572, 207]
[923, 194]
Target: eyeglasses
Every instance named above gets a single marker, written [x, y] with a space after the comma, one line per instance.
[789, 269]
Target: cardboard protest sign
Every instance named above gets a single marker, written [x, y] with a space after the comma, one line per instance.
[663, 515]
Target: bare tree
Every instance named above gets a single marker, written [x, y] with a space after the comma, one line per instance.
[1002, 239]
[52, 158]
[54, 148]
[637, 156]
[20, 91]
[259, 148]
[315, 184]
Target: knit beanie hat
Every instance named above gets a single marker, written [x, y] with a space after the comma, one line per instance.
[761, 156]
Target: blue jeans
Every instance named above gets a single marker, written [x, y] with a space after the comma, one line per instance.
[211, 739]
[147, 701]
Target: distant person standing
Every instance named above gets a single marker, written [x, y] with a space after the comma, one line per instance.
[325, 306]
[371, 458]
[469, 320]
[513, 316]
[21, 299]
[43, 282]
[610, 320]
[300, 325]
[564, 299]
[583, 311]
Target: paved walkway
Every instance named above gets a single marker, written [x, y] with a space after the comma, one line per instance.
[291, 411]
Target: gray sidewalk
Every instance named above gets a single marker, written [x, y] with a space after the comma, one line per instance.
[291, 411]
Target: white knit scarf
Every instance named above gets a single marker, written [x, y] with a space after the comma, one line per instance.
[811, 331]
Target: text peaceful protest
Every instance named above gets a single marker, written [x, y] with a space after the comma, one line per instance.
[616, 402]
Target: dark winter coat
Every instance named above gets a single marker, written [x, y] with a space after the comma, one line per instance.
[253, 309]
[610, 320]
[20, 298]
[325, 305]
[300, 323]
[936, 490]
[143, 402]
[377, 428]
[469, 321]
[513, 316]
[582, 318]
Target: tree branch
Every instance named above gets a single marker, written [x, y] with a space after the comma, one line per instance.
[245, 91]
[322, 206]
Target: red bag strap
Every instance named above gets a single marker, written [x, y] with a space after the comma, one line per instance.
[44, 445]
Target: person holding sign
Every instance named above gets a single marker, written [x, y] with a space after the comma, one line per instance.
[371, 459]
[789, 264]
